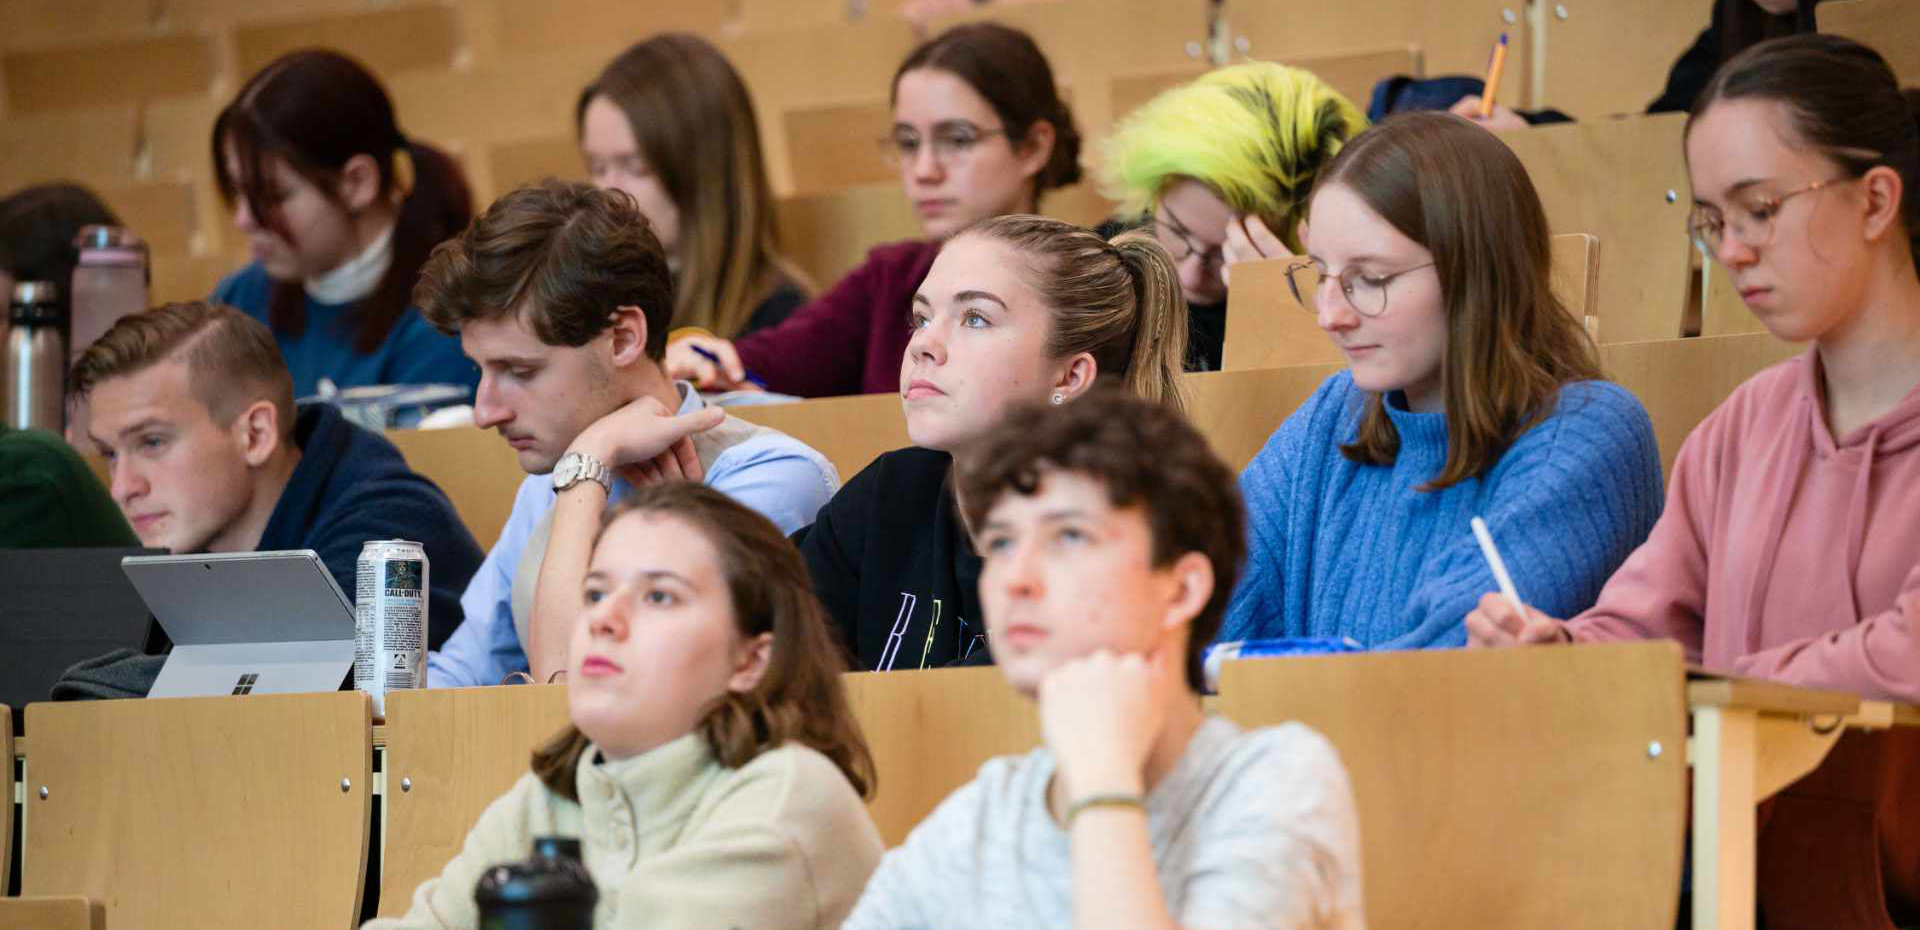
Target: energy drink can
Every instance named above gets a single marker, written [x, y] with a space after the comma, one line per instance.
[390, 614]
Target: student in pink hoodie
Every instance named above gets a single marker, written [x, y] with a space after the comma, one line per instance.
[1790, 545]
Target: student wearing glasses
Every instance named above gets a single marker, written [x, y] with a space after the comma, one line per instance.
[979, 131]
[1222, 167]
[1789, 548]
[1471, 391]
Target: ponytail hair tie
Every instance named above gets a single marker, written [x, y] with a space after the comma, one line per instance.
[403, 170]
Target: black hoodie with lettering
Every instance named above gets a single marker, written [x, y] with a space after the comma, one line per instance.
[892, 562]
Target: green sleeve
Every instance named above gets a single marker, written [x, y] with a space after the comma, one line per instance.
[49, 498]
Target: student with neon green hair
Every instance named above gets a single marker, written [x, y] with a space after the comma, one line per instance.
[1223, 166]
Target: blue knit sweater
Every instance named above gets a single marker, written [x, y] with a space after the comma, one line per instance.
[1336, 548]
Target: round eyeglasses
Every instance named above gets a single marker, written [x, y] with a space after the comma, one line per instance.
[952, 142]
[1752, 222]
[1365, 291]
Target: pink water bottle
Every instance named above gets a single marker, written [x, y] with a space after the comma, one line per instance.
[109, 282]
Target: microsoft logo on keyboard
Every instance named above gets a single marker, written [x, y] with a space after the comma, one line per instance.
[246, 682]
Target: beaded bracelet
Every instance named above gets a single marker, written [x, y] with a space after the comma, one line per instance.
[1104, 800]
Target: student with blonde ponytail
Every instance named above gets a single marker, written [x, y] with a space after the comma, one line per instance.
[1016, 309]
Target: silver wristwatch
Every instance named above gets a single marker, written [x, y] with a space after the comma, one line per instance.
[576, 466]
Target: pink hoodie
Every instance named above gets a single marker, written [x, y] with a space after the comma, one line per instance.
[1783, 554]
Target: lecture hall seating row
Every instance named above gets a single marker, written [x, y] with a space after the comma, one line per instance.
[1494, 789]
[129, 113]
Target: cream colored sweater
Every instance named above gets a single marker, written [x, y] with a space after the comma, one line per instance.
[675, 839]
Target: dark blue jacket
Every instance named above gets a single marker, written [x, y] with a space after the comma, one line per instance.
[352, 486]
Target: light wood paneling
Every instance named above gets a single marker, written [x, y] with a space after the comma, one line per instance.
[203, 812]
[1559, 774]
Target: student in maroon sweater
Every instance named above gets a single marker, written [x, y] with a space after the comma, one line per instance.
[979, 131]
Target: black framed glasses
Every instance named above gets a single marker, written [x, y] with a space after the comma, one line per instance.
[952, 142]
[1752, 223]
[1180, 243]
[1365, 291]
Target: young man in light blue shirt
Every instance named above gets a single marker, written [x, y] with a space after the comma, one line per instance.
[562, 295]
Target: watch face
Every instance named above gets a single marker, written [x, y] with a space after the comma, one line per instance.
[566, 471]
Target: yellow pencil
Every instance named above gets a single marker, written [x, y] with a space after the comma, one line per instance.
[1494, 69]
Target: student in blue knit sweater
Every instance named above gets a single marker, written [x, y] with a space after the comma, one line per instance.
[1470, 391]
[339, 210]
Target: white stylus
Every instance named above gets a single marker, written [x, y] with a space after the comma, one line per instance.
[1500, 576]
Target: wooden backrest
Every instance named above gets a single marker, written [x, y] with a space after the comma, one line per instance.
[203, 812]
[850, 431]
[40, 147]
[1608, 57]
[388, 40]
[1576, 277]
[450, 753]
[519, 162]
[1680, 381]
[930, 731]
[1453, 38]
[592, 30]
[1624, 181]
[1499, 788]
[829, 234]
[186, 276]
[1267, 328]
[1238, 410]
[114, 72]
[835, 146]
[530, 97]
[766, 16]
[813, 65]
[476, 468]
[163, 213]
[63, 913]
[1891, 27]
[1353, 74]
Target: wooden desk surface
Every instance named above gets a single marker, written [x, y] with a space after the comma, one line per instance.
[1768, 697]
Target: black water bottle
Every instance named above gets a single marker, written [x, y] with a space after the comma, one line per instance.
[550, 891]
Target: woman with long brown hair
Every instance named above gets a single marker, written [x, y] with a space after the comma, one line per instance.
[1470, 391]
[669, 122]
[339, 209]
[713, 769]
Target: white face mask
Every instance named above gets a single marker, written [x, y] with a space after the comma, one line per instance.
[357, 277]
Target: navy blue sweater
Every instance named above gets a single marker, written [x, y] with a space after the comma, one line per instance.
[413, 353]
[352, 486]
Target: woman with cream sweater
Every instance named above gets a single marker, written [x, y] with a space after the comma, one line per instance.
[713, 771]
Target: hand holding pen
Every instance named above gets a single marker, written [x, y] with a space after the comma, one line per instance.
[1502, 619]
